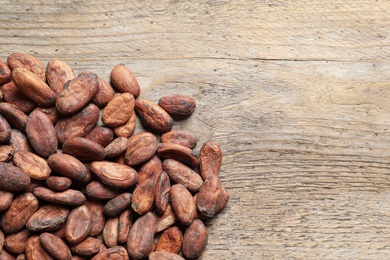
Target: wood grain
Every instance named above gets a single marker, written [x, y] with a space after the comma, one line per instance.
[296, 93]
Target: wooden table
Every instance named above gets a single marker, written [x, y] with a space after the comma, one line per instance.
[295, 92]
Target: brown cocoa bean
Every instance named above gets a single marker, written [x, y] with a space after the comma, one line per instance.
[115, 206]
[166, 220]
[88, 247]
[57, 74]
[140, 239]
[1, 239]
[58, 183]
[182, 137]
[83, 149]
[78, 225]
[212, 197]
[170, 240]
[12, 178]
[14, 96]
[210, 157]
[180, 173]
[162, 187]
[55, 246]
[116, 147]
[177, 106]
[5, 73]
[48, 218]
[113, 253]
[115, 175]
[110, 232]
[127, 129]
[162, 255]
[124, 224]
[5, 130]
[194, 240]
[178, 152]
[183, 204]
[69, 197]
[35, 166]
[142, 147]
[50, 112]
[153, 116]
[77, 93]
[4, 255]
[104, 94]
[150, 170]
[97, 217]
[19, 141]
[118, 110]
[14, 116]
[35, 251]
[6, 153]
[6, 199]
[143, 197]
[96, 190]
[101, 135]
[24, 60]
[16, 243]
[77, 125]
[41, 134]
[67, 165]
[124, 80]
[33, 87]
[20, 210]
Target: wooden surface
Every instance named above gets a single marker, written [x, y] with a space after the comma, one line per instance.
[296, 93]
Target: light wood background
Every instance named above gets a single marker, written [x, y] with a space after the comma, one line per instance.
[297, 93]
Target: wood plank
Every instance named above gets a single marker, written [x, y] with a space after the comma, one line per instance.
[296, 93]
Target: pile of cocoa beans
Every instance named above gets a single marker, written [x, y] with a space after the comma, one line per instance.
[78, 182]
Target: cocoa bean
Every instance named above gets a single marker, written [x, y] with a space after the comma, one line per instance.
[83, 149]
[162, 187]
[33, 87]
[14, 116]
[78, 225]
[125, 222]
[48, 218]
[96, 190]
[177, 152]
[124, 80]
[127, 129]
[162, 255]
[104, 94]
[19, 141]
[16, 243]
[143, 197]
[77, 125]
[115, 175]
[116, 147]
[150, 170]
[68, 197]
[177, 106]
[101, 135]
[170, 240]
[31, 63]
[55, 246]
[115, 206]
[194, 240]
[35, 166]
[142, 147]
[153, 116]
[6, 199]
[166, 220]
[140, 239]
[5, 73]
[210, 157]
[118, 110]
[110, 232]
[113, 253]
[41, 134]
[5, 130]
[183, 204]
[35, 251]
[182, 137]
[88, 247]
[180, 173]
[57, 74]
[58, 183]
[67, 165]
[77, 93]
[6, 153]
[20, 210]
[97, 217]
[14, 96]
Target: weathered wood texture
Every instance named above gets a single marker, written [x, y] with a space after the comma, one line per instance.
[296, 93]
